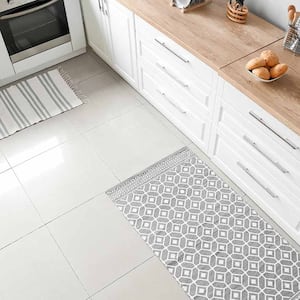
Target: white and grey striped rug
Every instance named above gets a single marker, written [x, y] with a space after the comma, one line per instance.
[36, 99]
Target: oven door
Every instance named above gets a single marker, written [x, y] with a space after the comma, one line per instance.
[34, 27]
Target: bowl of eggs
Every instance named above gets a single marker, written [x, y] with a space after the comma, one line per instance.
[266, 67]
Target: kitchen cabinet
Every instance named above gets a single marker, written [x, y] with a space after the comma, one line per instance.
[260, 154]
[95, 15]
[180, 76]
[7, 69]
[122, 29]
[176, 83]
[111, 33]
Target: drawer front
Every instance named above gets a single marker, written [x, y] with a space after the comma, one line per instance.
[181, 59]
[201, 98]
[162, 96]
[272, 156]
[262, 121]
[257, 185]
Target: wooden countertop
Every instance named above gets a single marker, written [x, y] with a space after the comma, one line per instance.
[280, 98]
[206, 32]
[226, 47]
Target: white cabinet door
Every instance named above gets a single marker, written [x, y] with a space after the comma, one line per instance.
[123, 41]
[96, 24]
[6, 69]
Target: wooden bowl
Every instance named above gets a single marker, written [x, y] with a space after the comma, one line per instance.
[237, 15]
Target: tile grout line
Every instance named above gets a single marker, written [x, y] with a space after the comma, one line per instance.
[68, 262]
[122, 276]
[22, 237]
[50, 221]
[101, 159]
[73, 208]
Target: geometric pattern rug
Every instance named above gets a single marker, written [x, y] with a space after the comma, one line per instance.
[213, 243]
[36, 99]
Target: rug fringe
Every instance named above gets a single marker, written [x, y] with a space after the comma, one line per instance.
[156, 169]
[68, 79]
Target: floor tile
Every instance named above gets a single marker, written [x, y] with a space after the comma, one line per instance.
[3, 163]
[105, 102]
[147, 282]
[64, 177]
[17, 214]
[132, 142]
[36, 139]
[35, 269]
[84, 67]
[161, 118]
[99, 243]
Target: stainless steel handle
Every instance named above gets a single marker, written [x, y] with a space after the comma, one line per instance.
[105, 9]
[100, 5]
[28, 11]
[172, 102]
[185, 85]
[163, 44]
[248, 172]
[263, 122]
[258, 149]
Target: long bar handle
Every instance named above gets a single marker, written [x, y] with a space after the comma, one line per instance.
[162, 67]
[248, 172]
[163, 44]
[263, 122]
[105, 9]
[258, 149]
[28, 11]
[100, 5]
[172, 102]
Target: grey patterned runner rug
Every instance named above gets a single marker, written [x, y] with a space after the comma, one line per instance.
[36, 99]
[213, 243]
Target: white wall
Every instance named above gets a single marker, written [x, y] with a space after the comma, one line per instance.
[275, 11]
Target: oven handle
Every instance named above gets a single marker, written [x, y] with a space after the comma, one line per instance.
[28, 11]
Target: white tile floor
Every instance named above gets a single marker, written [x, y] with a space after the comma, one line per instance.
[60, 236]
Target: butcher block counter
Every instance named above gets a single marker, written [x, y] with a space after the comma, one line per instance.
[226, 47]
[206, 32]
[280, 98]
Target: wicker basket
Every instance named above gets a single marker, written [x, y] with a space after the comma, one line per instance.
[237, 15]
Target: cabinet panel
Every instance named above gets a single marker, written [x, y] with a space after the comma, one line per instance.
[175, 105]
[262, 120]
[250, 176]
[122, 31]
[167, 49]
[188, 83]
[7, 69]
[96, 25]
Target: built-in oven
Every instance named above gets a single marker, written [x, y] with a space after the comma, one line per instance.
[33, 27]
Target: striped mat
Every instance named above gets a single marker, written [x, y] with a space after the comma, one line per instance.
[36, 99]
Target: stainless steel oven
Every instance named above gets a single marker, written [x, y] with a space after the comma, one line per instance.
[32, 27]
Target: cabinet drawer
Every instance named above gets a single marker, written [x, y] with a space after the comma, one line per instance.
[262, 121]
[272, 156]
[178, 57]
[186, 85]
[275, 202]
[162, 96]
